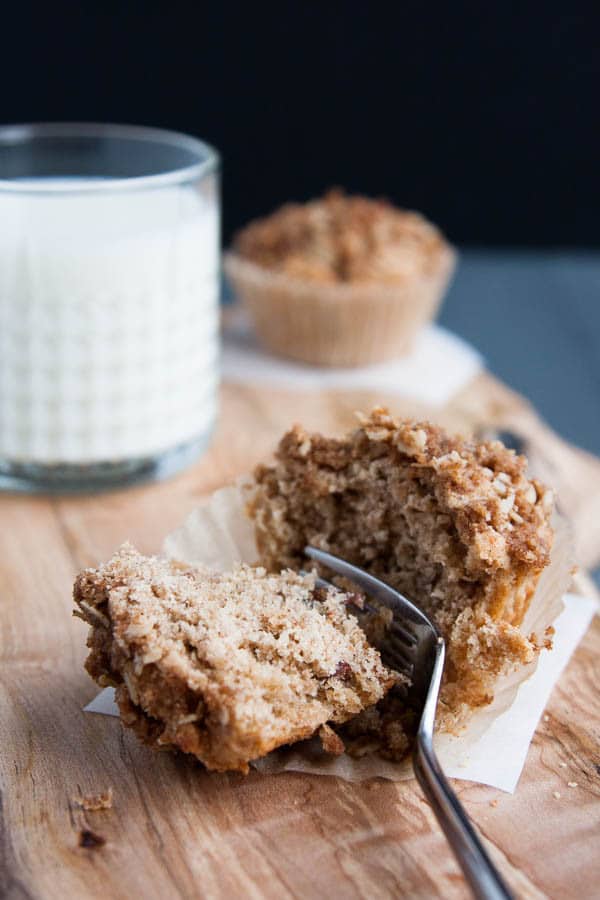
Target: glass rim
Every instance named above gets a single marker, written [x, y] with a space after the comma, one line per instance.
[25, 133]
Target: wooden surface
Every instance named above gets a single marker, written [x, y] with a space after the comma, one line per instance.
[176, 831]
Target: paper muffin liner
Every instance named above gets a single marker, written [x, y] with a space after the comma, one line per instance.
[339, 324]
[219, 534]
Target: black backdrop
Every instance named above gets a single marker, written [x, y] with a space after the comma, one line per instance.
[485, 115]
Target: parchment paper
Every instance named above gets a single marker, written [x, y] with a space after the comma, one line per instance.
[439, 365]
[493, 746]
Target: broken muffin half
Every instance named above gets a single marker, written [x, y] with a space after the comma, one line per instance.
[225, 667]
[455, 525]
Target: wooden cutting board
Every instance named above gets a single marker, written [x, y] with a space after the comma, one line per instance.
[176, 831]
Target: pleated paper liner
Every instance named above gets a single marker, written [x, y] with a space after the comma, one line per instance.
[345, 324]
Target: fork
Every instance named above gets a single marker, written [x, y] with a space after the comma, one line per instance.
[416, 648]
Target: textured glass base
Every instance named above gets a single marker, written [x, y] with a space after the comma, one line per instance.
[71, 478]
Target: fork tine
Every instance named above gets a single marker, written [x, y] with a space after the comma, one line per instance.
[399, 650]
[408, 639]
[402, 639]
[402, 632]
[397, 664]
[371, 585]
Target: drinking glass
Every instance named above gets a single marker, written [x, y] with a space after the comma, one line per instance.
[109, 275]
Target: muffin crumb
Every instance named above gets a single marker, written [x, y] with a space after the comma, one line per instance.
[331, 742]
[95, 802]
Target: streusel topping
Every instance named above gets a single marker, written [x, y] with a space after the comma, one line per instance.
[343, 238]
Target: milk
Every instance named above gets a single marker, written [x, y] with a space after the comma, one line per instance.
[108, 322]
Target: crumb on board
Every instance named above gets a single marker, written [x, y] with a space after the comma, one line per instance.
[95, 802]
[494, 803]
[90, 840]
[556, 795]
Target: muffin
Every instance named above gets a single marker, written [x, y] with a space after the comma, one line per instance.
[456, 526]
[226, 667]
[340, 281]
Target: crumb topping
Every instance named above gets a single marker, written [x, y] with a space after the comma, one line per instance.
[341, 238]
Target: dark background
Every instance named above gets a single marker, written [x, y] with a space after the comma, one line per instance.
[482, 115]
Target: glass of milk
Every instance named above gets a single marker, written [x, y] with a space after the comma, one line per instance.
[109, 273]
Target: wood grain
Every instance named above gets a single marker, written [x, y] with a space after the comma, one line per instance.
[176, 831]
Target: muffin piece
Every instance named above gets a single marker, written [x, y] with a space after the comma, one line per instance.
[454, 525]
[226, 667]
[341, 280]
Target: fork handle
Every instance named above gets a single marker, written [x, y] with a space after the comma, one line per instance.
[482, 876]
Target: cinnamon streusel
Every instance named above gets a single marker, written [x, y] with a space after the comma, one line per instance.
[342, 238]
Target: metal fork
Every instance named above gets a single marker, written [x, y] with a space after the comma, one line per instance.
[416, 648]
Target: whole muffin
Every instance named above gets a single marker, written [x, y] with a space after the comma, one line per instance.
[340, 281]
